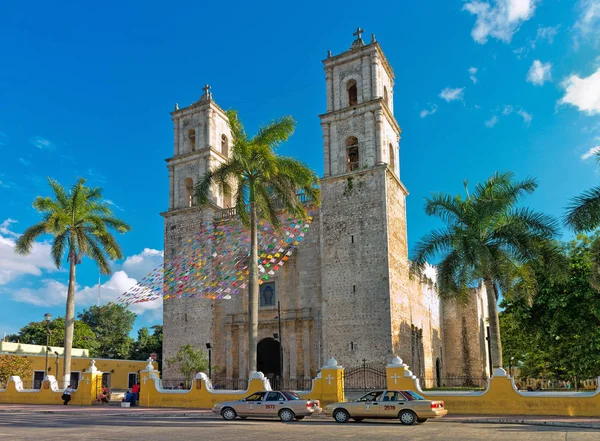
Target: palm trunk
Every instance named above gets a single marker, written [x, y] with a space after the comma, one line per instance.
[253, 291]
[69, 319]
[495, 341]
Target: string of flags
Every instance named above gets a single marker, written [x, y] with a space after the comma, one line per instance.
[214, 262]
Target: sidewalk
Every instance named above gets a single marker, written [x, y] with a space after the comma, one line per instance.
[164, 412]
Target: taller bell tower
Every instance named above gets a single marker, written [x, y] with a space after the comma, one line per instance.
[363, 213]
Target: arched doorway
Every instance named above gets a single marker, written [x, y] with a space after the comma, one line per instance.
[268, 358]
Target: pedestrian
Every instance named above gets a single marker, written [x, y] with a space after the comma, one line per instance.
[135, 394]
[66, 396]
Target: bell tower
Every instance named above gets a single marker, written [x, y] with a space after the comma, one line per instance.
[202, 141]
[363, 212]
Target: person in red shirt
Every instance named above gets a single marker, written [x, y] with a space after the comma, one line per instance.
[135, 392]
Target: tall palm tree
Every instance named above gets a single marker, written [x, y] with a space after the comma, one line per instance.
[583, 213]
[487, 238]
[261, 182]
[79, 220]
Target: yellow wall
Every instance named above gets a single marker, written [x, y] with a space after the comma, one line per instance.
[119, 379]
[501, 397]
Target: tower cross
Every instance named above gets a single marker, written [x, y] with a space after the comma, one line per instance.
[206, 89]
[358, 32]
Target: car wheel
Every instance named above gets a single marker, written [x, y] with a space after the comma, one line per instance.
[286, 415]
[407, 417]
[421, 420]
[228, 414]
[358, 420]
[341, 416]
[299, 418]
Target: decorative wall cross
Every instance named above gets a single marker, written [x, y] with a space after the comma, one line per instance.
[329, 378]
[396, 377]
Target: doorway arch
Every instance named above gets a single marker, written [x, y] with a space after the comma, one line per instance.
[268, 357]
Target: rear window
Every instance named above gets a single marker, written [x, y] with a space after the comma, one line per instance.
[413, 395]
[291, 395]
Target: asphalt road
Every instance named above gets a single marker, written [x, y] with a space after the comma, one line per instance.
[47, 427]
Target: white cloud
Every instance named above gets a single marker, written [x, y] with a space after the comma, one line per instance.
[426, 112]
[450, 94]
[583, 93]
[547, 33]
[587, 25]
[507, 110]
[12, 265]
[473, 74]
[527, 117]
[111, 203]
[41, 143]
[25, 162]
[140, 265]
[539, 73]
[491, 122]
[499, 19]
[591, 152]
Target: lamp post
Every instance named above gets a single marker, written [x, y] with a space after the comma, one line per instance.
[47, 317]
[280, 336]
[510, 365]
[209, 347]
[56, 353]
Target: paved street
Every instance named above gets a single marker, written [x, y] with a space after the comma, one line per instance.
[19, 426]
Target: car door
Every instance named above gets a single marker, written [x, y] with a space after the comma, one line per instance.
[367, 406]
[391, 402]
[253, 404]
[272, 403]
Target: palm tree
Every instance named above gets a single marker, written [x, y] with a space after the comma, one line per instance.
[487, 238]
[583, 214]
[261, 182]
[79, 221]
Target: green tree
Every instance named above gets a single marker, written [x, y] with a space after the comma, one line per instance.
[583, 213]
[560, 330]
[79, 220]
[487, 238]
[35, 333]
[190, 361]
[111, 324]
[261, 182]
[147, 344]
[14, 365]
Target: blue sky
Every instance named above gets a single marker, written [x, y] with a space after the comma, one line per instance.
[86, 90]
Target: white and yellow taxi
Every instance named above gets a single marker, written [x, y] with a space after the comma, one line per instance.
[286, 405]
[408, 406]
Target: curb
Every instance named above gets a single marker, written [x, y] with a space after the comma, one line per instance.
[525, 423]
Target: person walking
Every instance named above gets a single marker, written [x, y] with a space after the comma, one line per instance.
[135, 392]
[66, 396]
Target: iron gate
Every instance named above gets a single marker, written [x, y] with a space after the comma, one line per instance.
[365, 377]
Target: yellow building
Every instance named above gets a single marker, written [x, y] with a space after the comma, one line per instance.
[116, 374]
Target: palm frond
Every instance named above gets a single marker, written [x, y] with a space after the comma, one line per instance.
[276, 132]
[58, 248]
[583, 212]
[25, 242]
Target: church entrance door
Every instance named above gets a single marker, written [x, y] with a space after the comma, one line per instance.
[268, 359]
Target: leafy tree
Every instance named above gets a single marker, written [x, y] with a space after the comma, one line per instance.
[560, 329]
[35, 333]
[261, 182]
[111, 324]
[487, 238]
[190, 361]
[583, 213]
[79, 220]
[14, 365]
[147, 344]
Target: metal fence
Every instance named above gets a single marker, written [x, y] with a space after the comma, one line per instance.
[556, 385]
[455, 382]
[364, 378]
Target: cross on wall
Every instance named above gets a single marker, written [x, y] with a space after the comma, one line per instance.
[329, 378]
[395, 377]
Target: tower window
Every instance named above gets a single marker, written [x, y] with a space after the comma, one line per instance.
[267, 294]
[189, 192]
[352, 158]
[192, 137]
[352, 93]
[392, 158]
[224, 145]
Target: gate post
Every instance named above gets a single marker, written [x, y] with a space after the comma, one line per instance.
[332, 380]
[399, 377]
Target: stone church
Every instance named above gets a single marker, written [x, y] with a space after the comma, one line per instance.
[346, 292]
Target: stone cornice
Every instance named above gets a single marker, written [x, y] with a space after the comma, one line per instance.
[369, 106]
[354, 54]
[364, 171]
[198, 154]
[201, 104]
[187, 210]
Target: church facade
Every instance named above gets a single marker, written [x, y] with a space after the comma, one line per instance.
[347, 291]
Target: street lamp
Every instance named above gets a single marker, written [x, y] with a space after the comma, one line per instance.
[56, 353]
[280, 341]
[510, 365]
[47, 317]
[209, 347]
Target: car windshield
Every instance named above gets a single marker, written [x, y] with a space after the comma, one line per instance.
[291, 395]
[371, 396]
[415, 396]
[255, 397]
